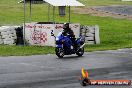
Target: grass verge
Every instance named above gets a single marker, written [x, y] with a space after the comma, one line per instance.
[24, 50]
[114, 33]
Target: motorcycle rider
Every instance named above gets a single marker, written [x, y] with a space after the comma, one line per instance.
[67, 31]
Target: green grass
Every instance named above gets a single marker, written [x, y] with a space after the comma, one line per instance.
[24, 50]
[114, 33]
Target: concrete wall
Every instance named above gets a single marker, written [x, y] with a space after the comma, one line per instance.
[91, 34]
[7, 35]
[40, 34]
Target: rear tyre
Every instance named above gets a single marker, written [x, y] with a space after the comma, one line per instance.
[59, 52]
[80, 52]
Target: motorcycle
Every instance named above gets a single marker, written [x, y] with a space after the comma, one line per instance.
[65, 46]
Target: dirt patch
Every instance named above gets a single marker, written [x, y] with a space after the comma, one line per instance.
[95, 11]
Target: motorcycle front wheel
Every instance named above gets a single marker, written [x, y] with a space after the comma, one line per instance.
[59, 52]
[80, 52]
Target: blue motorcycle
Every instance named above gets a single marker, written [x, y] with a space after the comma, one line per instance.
[65, 46]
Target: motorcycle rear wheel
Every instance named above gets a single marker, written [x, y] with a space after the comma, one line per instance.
[80, 52]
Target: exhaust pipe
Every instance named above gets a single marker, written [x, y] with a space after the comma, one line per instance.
[82, 46]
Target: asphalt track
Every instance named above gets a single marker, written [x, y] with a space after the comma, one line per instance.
[125, 10]
[47, 71]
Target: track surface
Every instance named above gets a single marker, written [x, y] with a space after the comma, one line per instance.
[125, 10]
[47, 71]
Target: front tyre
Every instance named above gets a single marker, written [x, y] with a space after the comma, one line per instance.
[80, 52]
[59, 52]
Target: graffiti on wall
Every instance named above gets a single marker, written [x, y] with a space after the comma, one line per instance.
[36, 26]
[39, 34]
[38, 37]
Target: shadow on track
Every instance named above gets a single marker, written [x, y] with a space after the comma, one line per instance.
[71, 57]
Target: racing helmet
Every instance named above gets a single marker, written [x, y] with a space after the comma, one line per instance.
[66, 25]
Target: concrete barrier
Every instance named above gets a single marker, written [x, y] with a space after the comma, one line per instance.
[40, 33]
[7, 35]
[91, 34]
